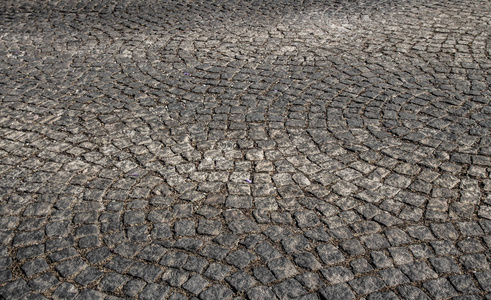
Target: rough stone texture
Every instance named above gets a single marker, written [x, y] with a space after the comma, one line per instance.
[269, 149]
[216, 292]
[338, 291]
[154, 291]
[440, 288]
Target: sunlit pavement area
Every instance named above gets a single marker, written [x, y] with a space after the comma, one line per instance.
[245, 149]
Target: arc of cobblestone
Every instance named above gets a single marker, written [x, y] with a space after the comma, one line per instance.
[273, 149]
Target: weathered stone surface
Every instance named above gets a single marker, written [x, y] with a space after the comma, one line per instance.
[276, 149]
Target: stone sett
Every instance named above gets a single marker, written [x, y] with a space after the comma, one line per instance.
[272, 150]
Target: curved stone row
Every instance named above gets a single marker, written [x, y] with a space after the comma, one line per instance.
[254, 149]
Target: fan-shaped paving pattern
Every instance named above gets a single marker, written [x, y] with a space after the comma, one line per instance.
[170, 150]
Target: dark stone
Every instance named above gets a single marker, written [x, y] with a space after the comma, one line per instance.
[264, 275]
[464, 284]
[44, 282]
[241, 281]
[133, 287]
[393, 277]
[88, 276]
[261, 293]
[112, 281]
[71, 267]
[282, 268]
[34, 267]
[366, 285]
[329, 254]
[65, 291]
[146, 272]
[411, 292]
[195, 284]
[217, 271]
[337, 275]
[418, 271]
[336, 292]
[440, 288]
[175, 277]
[15, 289]
[216, 292]
[154, 291]
[289, 288]
[484, 279]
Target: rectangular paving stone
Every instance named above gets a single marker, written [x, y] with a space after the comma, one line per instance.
[154, 291]
[282, 268]
[71, 267]
[266, 251]
[30, 251]
[421, 251]
[337, 275]
[484, 279]
[329, 254]
[401, 255]
[98, 255]
[444, 247]
[464, 284]
[375, 241]
[88, 276]
[146, 272]
[306, 219]
[337, 292]
[261, 292]
[152, 253]
[112, 281]
[292, 244]
[241, 281]
[175, 277]
[127, 249]
[196, 284]
[418, 271]
[264, 275]
[289, 288]
[65, 291]
[393, 277]
[133, 287]
[209, 227]
[444, 265]
[44, 282]
[243, 226]
[119, 264]
[360, 266]
[381, 260]
[421, 233]
[189, 244]
[28, 238]
[310, 280]
[240, 258]
[214, 251]
[195, 264]
[185, 228]
[217, 271]
[440, 288]
[161, 231]
[470, 245]
[411, 292]
[90, 294]
[15, 289]
[307, 260]
[366, 285]
[216, 291]
[34, 267]
[474, 262]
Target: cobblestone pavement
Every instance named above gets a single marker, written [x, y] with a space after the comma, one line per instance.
[245, 149]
